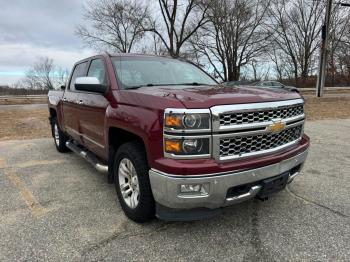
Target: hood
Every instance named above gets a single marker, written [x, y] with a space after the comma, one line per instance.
[208, 96]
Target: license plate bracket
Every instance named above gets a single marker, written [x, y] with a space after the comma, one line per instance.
[273, 185]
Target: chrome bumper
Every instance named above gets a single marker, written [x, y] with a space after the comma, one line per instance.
[166, 187]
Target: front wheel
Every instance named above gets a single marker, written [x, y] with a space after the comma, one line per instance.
[59, 137]
[132, 182]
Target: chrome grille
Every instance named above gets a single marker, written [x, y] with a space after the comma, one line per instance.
[239, 118]
[239, 146]
[246, 130]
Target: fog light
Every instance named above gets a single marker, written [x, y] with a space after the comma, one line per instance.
[190, 188]
[195, 189]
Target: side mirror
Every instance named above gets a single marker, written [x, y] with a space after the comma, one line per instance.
[90, 84]
[63, 87]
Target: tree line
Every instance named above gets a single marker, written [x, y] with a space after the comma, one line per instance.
[231, 39]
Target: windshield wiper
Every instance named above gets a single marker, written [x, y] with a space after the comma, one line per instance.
[139, 86]
[178, 84]
[193, 84]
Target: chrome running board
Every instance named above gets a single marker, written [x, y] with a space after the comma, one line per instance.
[88, 156]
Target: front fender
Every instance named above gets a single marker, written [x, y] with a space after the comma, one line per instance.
[145, 123]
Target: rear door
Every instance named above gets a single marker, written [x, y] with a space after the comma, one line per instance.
[92, 111]
[70, 102]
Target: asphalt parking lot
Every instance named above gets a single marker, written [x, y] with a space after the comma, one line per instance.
[56, 207]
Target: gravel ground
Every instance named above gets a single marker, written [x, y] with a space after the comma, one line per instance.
[55, 207]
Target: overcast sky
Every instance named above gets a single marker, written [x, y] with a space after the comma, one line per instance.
[33, 28]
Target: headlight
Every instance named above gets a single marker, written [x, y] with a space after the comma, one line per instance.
[187, 146]
[187, 133]
[191, 121]
[181, 119]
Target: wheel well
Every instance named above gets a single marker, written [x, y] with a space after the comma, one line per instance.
[53, 112]
[118, 136]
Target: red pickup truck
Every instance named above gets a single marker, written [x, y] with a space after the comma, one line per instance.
[176, 143]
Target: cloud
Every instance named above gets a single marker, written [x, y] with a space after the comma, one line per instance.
[29, 29]
[16, 59]
[40, 22]
[22, 55]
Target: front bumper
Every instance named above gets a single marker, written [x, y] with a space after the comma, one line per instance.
[166, 187]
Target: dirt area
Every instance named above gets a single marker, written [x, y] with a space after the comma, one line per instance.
[326, 92]
[327, 108]
[21, 123]
[25, 123]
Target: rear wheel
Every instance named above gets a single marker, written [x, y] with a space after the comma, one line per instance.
[132, 182]
[59, 137]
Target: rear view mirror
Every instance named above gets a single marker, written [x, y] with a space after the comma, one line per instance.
[90, 84]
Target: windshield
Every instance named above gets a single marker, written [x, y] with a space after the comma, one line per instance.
[135, 72]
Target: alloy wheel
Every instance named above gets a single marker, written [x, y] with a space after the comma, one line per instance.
[128, 183]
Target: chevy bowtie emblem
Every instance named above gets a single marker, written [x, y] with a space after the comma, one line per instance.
[276, 127]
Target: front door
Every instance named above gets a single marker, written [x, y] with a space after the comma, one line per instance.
[70, 103]
[92, 112]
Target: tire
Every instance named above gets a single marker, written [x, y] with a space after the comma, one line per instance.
[138, 204]
[59, 137]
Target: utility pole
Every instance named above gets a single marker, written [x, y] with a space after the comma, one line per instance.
[324, 51]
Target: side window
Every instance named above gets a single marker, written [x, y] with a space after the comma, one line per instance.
[79, 71]
[97, 70]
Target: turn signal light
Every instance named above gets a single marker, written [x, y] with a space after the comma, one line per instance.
[173, 121]
[172, 146]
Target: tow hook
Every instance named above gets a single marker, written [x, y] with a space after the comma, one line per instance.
[262, 198]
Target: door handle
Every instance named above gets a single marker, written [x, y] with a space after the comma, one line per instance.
[64, 99]
[80, 102]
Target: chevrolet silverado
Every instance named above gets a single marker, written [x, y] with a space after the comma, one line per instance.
[176, 144]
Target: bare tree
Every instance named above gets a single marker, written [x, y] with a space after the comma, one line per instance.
[296, 26]
[180, 20]
[228, 38]
[342, 56]
[233, 37]
[116, 25]
[40, 76]
[280, 61]
[61, 76]
[260, 70]
[44, 75]
[340, 21]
